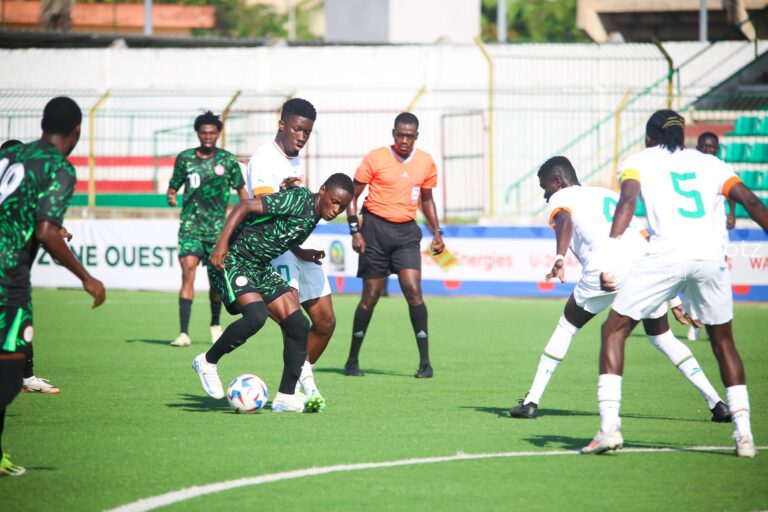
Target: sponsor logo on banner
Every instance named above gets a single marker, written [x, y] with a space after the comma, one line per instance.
[337, 256]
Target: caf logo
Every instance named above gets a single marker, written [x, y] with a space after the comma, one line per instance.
[337, 256]
[219, 170]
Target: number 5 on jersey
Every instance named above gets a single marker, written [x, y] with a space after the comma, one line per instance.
[698, 204]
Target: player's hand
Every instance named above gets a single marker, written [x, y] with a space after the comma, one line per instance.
[66, 235]
[558, 271]
[291, 181]
[437, 244]
[95, 289]
[311, 255]
[171, 197]
[684, 318]
[358, 243]
[608, 282]
[217, 256]
[730, 221]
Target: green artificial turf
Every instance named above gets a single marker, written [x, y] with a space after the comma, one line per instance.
[132, 421]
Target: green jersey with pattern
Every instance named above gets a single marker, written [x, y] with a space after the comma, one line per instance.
[36, 184]
[289, 218]
[207, 183]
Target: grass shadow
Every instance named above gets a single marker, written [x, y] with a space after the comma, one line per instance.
[165, 342]
[558, 442]
[340, 371]
[199, 403]
[504, 412]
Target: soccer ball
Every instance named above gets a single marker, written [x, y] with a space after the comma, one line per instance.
[247, 393]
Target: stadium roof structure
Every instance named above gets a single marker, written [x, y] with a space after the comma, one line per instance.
[671, 20]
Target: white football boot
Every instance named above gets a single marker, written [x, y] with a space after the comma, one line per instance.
[209, 377]
[287, 403]
[182, 340]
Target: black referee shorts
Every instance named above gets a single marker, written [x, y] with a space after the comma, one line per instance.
[389, 247]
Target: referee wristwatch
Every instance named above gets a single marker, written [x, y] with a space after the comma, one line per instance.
[440, 230]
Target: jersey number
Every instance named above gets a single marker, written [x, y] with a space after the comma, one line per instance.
[694, 195]
[284, 272]
[194, 180]
[609, 208]
[10, 178]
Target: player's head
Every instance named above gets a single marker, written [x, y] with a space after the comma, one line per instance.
[297, 118]
[405, 133]
[708, 143]
[335, 194]
[9, 144]
[208, 128]
[665, 128]
[556, 173]
[61, 121]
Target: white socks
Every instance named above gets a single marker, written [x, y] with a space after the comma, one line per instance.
[609, 401]
[680, 355]
[738, 404]
[307, 380]
[553, 354]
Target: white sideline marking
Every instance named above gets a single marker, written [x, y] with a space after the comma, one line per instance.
[187, 493]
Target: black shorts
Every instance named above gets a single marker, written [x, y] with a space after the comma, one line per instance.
[11, 374]
[389, 247]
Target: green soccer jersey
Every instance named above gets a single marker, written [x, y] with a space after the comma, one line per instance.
[289, 218]
[207, 183]
[36, 184]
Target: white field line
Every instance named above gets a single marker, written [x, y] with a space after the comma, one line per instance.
[201, 490]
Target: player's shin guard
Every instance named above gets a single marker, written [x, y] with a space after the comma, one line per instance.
[185, 311]
[215, 312]
[738, 404]
[295, 332]
[609, 401]
[419, 319]
[254, 317]
[553, 355]
[359, 328]
[680, 355]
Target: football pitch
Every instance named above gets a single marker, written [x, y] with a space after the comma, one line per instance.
[132, 422]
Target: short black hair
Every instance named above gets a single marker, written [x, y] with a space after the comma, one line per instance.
[61, 116]
[207, 118]
[561, 167]
[340, 180]
[406, 118]
[9, 144]
[298, 107]
[708, 135]
[667, 129]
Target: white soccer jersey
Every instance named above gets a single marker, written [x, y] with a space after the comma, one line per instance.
[268, 167]
[592, 210]
[683, 193]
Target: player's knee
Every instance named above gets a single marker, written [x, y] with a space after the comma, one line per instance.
[324, 324]
[255, 315]
[296, 325]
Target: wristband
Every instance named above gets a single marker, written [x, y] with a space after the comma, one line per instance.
[353, 224]
[674, 302]
[559, 257]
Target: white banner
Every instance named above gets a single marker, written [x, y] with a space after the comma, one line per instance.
[141, 254]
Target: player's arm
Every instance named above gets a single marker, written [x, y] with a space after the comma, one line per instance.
[730, 221]
[625, 210]
[49, 234]
[242, 193]
[741, 194]
[430, 212]
[236, 217]
[358, 242]
[177, 179]
[563, 234]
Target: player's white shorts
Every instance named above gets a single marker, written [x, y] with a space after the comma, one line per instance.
[589, 296]
[706, 285]
[307, 277]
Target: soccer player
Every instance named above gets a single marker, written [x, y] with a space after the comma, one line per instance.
[681, 189]
[709, 143]
[207, 174]
[581, 217]
[38, 183]
[257, 231]
[388, 238]
[270, 166]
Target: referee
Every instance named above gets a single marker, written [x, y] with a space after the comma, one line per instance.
[388, 238]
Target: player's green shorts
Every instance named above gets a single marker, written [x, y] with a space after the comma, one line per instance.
[15, 327]
[239, 278]
[193, 245]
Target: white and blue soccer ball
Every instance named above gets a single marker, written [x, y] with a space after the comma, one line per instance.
[247, 393]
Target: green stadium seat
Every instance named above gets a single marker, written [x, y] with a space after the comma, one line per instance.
[763, 129]
[758, 153]
[747, 125]
[750, 178]
[735, 152]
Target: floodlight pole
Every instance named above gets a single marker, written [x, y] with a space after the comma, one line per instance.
[147, 17]
[501, 21]
[703, 20]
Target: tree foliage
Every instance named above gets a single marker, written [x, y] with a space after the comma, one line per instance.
[534, 21]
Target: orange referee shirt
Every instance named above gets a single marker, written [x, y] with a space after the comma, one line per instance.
[394, 185]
